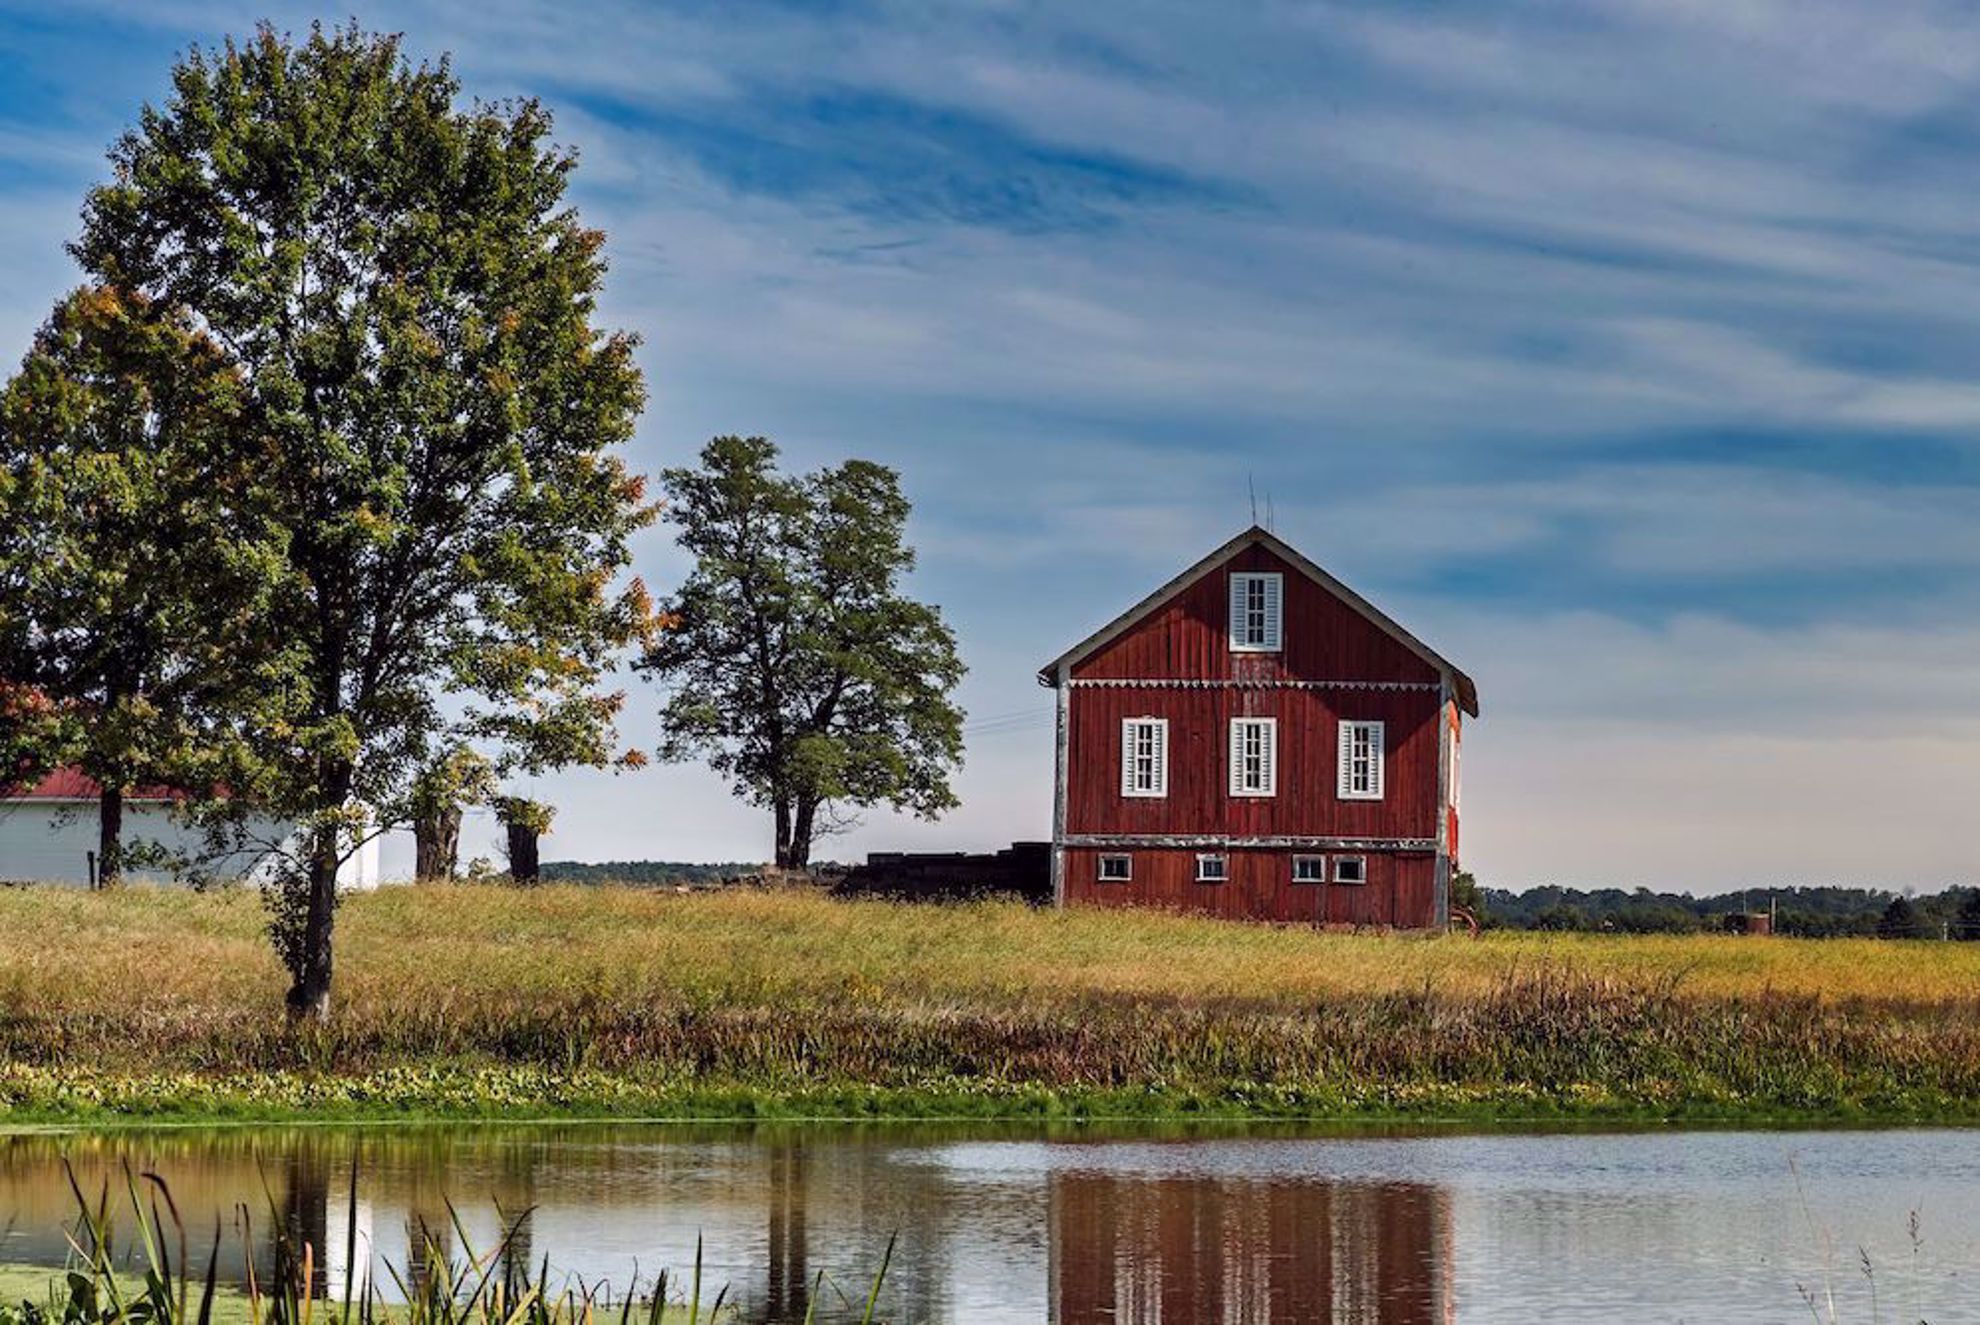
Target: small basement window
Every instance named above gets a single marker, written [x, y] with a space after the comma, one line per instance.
[1350, 869]
[1212, 868]
[1309, 869]
[1116, 869]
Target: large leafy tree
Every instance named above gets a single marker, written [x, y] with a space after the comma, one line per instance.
[796, 665]
[136, 562]
[410, 300]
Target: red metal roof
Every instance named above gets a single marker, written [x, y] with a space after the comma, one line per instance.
[70, 784]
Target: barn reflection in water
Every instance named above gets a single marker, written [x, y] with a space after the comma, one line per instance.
[1188, 1249]
[1029, 1230]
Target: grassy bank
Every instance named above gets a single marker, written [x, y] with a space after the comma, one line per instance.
[563, 1000]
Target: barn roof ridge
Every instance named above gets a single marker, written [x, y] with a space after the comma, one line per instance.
[1463, 686]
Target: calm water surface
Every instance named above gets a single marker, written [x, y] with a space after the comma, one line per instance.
[1079, 1226]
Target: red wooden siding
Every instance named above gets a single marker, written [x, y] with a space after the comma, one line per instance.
[1401, 888]
[1188, 638]
[1308, 803]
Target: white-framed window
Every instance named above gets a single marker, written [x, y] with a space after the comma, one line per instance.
[1361, 761]
[1255, 611]
[1309, 869]
[1212, 867]
[1254, 756]
[1350, 869]
[1144, 756]
[1116, 869]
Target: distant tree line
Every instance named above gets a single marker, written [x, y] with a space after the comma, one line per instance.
[1806, 912]
[648, 873]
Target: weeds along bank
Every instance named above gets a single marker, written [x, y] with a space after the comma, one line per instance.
[472, 1000]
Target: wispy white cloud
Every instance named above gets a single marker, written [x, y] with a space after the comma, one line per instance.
[1496, 304]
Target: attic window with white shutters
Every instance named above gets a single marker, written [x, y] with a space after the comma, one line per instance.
[1254, 756]
[1256, 598]
[1360, 766]
[1144, 757]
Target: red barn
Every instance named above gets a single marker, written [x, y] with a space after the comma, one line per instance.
[1255, 739]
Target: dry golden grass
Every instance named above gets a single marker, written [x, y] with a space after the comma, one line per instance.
[792, 989]
[78, 948]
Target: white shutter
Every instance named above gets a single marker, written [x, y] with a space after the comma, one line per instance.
[1370, 736]
[1149, 737]
[1257, 737]
[1376, 759]
[1127, 755]
[1266, 638]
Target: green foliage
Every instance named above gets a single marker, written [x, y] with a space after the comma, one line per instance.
[459, 778]
[521, 812]
[1466, 893]
[1966, 921]
[408, 300]
[139, 559]
[1902, 921]
[440, 796]
[1801, 912]
[637, 873]
[797, 667]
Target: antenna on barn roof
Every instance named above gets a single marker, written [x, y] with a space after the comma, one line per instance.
[1251, 487]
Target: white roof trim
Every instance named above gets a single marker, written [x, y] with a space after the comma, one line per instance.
[1061, 666]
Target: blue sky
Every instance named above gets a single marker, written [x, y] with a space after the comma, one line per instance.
[1627, 351]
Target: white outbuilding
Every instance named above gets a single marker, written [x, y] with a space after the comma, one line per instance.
[48, 834]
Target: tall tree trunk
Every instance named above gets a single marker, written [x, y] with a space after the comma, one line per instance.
[437, 844]
[110, 837]
[783, 849]
[802, 825]
[309, 996]
[523, 863]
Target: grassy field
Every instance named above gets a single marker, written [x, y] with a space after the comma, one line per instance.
[566, 1000]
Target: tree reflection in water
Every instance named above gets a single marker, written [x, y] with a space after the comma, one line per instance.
[1048, 1238]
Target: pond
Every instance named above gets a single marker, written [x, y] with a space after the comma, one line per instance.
[1078, 1225]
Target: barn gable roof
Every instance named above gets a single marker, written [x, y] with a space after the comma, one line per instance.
[1461, 685]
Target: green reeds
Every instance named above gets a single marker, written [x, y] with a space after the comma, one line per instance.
[147, 1285]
